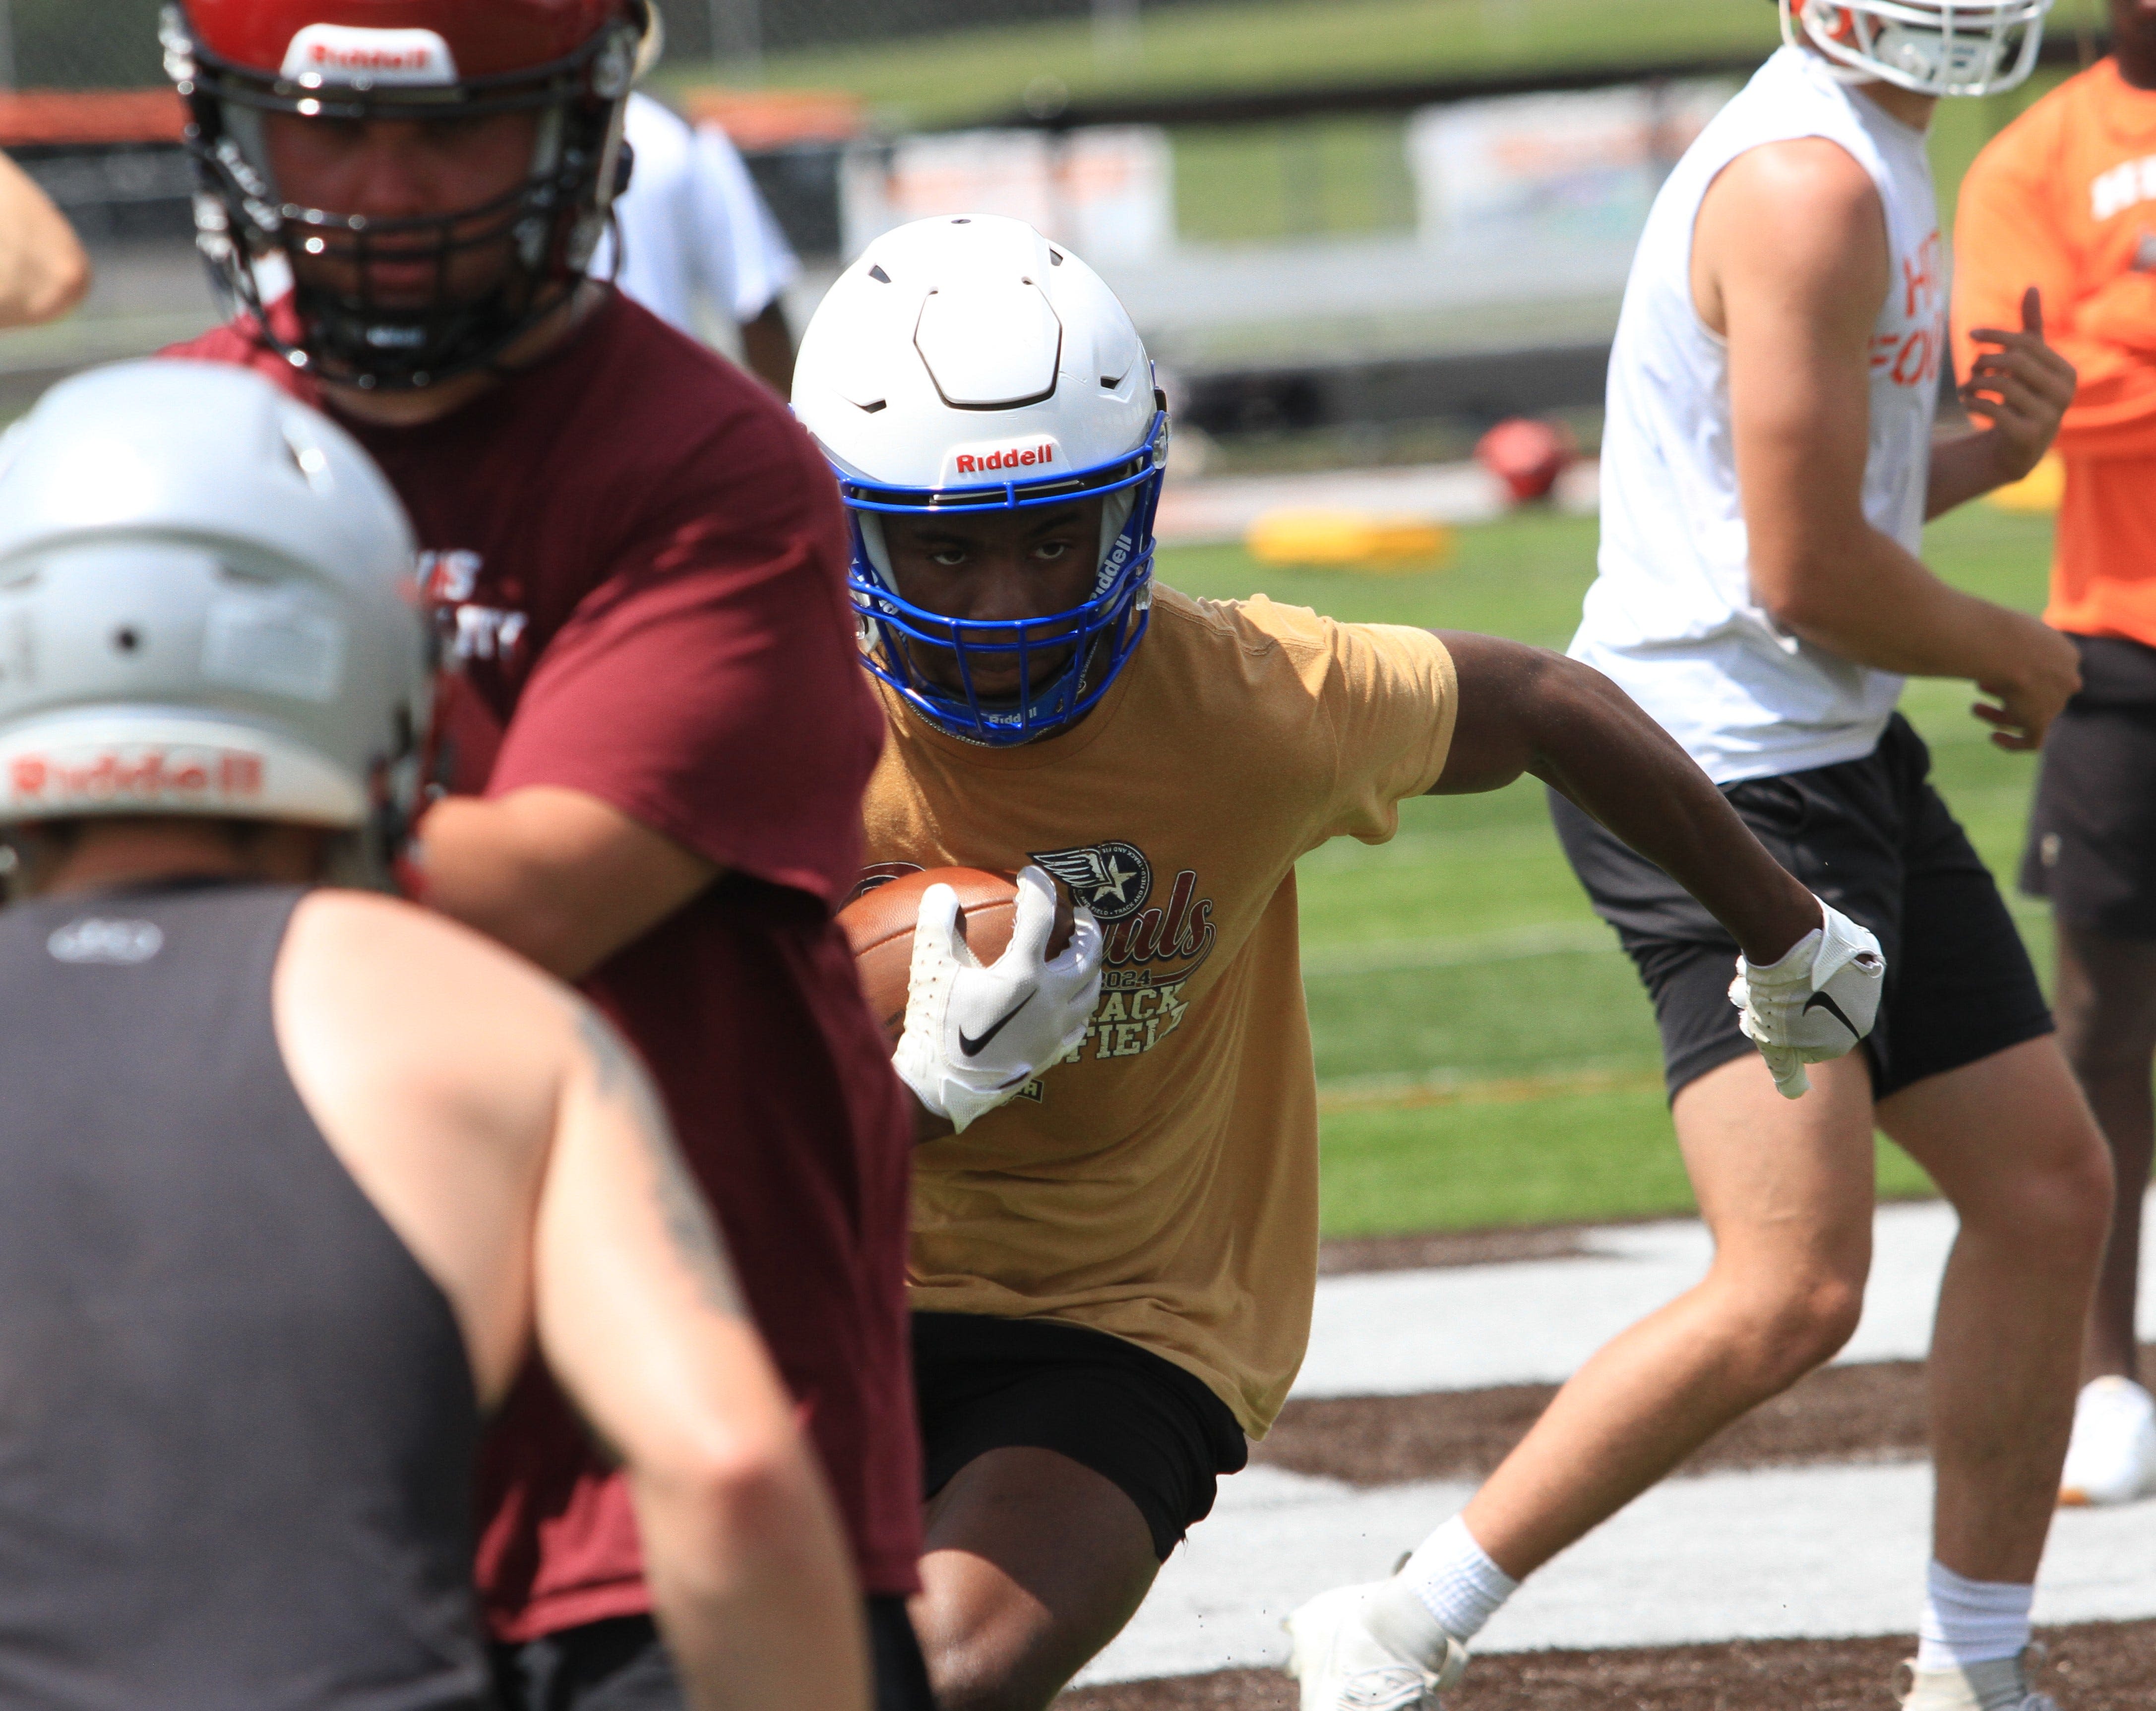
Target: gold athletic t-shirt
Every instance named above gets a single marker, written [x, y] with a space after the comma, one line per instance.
[1161, 1183]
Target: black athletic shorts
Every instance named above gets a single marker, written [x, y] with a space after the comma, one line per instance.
[622, 1665]
[1872, 838]
[1159, 1434]
[2093, 830]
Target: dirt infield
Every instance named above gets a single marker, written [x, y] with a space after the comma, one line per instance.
[1454, 1247]
[1867, 1413]
[2093, 1666]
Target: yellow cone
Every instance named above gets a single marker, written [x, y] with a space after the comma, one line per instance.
[2039, 490]
[1349, 540]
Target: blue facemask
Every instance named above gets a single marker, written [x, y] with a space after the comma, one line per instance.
[1099, 635]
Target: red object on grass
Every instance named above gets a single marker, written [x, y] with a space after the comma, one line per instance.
[1527, 455]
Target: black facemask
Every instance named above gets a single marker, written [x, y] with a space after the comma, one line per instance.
[545, 229]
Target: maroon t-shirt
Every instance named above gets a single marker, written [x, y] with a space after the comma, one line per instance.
[639, 561]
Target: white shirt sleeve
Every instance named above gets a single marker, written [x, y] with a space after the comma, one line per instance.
[743, 257]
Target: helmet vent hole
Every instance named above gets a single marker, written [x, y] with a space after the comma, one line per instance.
[310, 460]
[879, 275]
[871, 410]
[962, 222]
[1055, 258]
[126, 638]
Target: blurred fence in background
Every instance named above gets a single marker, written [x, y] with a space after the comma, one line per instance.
[1327, 216]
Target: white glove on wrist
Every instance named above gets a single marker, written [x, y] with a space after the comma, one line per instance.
[974, 1035]
[1818, 1000]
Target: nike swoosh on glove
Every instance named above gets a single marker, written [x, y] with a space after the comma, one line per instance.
[1814, 1004]
[974, 1035]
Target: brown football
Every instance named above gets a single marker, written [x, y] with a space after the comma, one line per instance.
[878, 925]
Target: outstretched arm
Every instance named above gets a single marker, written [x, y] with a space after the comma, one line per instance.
[43, 271]
[1527, 710]
[638, 1316]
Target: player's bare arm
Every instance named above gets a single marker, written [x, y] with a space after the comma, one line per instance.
[44, 272]
[768, 348]
[518, 1150]
[429, 1061]
[1527, 710]
[559, 876]
[1789, 264]
[638, 1316]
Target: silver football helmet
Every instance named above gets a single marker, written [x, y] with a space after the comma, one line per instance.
[207, 607]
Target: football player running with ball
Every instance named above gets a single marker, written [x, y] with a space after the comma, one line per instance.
[1116, 1231]
[1768, 466]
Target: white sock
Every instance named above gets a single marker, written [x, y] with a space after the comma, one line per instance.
[1970, 1622]
[1456, 1581]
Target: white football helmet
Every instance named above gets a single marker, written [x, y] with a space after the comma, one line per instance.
[207, 607]
[969, 364]
[1930, 47]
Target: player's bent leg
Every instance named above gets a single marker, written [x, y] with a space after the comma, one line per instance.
[2107, 1011]
[1786, 1187]
[2011, 1144]
[1033, 1564]
[2106, 1001]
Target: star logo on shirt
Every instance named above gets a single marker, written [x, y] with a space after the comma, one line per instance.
[1113, 879]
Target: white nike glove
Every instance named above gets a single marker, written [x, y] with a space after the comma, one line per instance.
[1818, 1000]
[975, 1035]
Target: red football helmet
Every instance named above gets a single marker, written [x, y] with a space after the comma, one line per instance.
[570, 61]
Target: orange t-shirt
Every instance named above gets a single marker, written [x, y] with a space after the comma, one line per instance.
[2064, 198]
[1161, 1183]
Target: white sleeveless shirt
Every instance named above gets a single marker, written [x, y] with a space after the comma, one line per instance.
[1672, 617]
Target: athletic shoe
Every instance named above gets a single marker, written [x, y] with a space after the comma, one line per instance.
[2112, 1456]
[2000, 1685]
[1344, 1664]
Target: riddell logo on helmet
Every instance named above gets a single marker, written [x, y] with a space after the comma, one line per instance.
[1005, 458]
[147, 775]
[339, 52]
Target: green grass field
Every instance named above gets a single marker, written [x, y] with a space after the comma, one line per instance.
[1183, 49]
[1485, 1052]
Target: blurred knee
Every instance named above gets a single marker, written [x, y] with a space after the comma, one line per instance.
[962, 1684]
[972, 1664]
